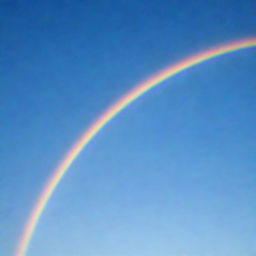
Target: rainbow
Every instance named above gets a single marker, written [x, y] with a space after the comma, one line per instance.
[106, 117]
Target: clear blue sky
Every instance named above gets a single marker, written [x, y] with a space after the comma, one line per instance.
[174, 174]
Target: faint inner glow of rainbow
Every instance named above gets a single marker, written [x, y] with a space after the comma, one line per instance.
[107, 116]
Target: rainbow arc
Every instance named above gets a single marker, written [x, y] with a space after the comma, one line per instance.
[106, 117]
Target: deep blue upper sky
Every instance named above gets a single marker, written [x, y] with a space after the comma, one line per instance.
[174, 174]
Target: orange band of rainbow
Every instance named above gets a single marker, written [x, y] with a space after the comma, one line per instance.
[107, 116]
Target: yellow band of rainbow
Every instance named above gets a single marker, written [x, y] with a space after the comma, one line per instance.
[107, 116]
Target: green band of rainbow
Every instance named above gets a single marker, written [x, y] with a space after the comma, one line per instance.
[107, 116]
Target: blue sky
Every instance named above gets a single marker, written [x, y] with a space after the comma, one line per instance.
[174, 174]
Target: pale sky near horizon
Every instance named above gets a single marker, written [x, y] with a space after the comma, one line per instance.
[174, 174]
